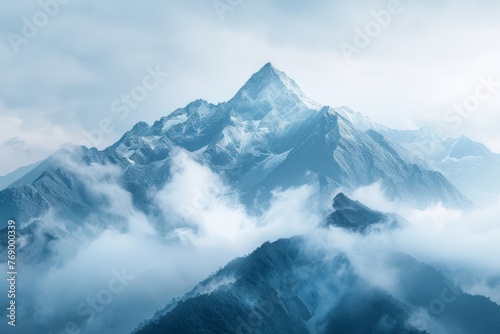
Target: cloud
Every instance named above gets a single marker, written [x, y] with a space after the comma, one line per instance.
[26, 140]
[461, 244]
[64, 81]
[90, 53]
[212, 214]
[203, 226]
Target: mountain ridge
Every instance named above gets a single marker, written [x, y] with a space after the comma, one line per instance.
[468, 165]
[265, 137]
[302, 285]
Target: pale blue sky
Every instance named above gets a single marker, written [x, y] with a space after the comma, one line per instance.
[64, 79]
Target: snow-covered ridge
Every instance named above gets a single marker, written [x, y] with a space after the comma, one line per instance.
[268, 136]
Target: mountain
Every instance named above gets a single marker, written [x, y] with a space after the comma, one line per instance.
[268, 136]
[469, 165]
[276, 289]
[354, 216]
[303, 285]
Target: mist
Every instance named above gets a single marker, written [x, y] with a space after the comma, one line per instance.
[460, 245]
[136, 266]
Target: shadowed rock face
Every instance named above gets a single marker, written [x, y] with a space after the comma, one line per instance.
[279, 288]
[301, 285]
[354, 216]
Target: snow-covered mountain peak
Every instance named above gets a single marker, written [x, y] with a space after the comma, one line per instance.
[266, 89]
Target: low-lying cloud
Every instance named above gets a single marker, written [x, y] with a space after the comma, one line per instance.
[461, 244]
[203, 226]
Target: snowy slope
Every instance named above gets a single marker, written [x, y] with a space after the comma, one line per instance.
[469, 165]
[269, 135]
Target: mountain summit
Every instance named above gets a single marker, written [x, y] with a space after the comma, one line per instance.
[267, 88]
[268, 136]
[356, 217]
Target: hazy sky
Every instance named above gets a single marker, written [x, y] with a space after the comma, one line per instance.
[65, 68]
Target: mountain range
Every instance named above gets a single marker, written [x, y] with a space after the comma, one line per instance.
[301, 285]
[469, 165]
[268, 135]
[271, 137]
